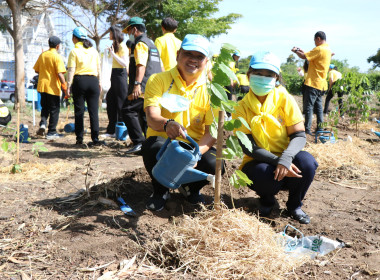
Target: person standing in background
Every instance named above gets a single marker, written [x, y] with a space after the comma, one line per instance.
[315, 82]
[144, 62]
[243, 84]
[51, 69]
[334, 76]
[168, 44]
[117, 94]
[84, 75]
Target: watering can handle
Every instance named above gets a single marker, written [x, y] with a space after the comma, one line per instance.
[195, 144]
[163, 148]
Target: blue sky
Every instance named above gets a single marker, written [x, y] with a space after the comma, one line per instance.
[352, 27]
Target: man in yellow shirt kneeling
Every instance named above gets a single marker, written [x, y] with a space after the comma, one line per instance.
[177, 104]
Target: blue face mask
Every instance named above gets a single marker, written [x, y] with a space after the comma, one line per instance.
[261, 85]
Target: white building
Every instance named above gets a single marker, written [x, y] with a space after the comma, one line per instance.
[36, 35]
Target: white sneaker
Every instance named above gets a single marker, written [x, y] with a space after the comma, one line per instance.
[107, 135]
[41, 131]
[54, 136]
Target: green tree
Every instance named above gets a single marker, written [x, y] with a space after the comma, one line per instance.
[375, 59]
[193, 16]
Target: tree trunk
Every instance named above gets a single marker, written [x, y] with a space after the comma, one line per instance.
[19, 55]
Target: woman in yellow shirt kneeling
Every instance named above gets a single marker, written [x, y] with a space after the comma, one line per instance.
[277, 133]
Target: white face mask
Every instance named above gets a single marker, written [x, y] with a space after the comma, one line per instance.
[175, 103]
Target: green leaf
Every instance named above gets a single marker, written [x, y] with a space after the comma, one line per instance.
[227, 71]
[220, 77]
[214, 129]
[244, 122]
[38, 144]
[228, 106]
[237, 123]
[43, 149]
[244, 140]
[4, 146]
[219, 91]
[243, 176]
[229, 125]
[16, 168]
[215, 101]
[228, 153]
[233, 143]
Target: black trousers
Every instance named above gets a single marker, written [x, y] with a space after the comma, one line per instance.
[312, 100]
[329, 96]
[116, 97]
[264, 184]
[86, 88]
[50, 105]
[150, 149]
[135, 120]
[230, 92]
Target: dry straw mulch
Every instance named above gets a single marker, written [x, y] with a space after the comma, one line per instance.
[32, 171]
[224, 244]
[345, 160]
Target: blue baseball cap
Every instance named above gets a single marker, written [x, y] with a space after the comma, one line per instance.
[80, 32]
[332, 66]
[237, 53]
[198, 43]
[265, 60]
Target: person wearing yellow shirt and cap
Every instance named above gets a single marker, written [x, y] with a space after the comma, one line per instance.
[277, 134]
[315, 84]
[117, 94]
[51, 70]
[334, 76]
[84, 76]
[168, 44]
[243, 84]
[144, 62]
[177, 104]
[5, 115]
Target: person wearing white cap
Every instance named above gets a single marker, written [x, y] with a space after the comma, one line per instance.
[277, 134]
[177, 104]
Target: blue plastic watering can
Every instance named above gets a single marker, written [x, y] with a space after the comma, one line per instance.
[176, 160]
[121, 131]
[70, 127]
[325, 136]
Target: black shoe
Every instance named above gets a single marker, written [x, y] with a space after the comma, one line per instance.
[136, 149]
[96, 144]
[264, 211]
[157, 202]
[194, 197]
[300, 216]
[79, 142]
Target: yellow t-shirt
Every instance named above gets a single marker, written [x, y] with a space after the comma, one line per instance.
[85, 61]
[201, 113]
[167, 46]
[141, 53]
[319, 61]
[335, 75]
[48, 65]
[268, 121]
[243, 79]
[123, 51]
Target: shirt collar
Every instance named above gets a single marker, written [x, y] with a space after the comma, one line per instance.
[180, 82]
[79, 45]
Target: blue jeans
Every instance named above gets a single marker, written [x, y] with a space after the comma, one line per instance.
[262, 176]
[312, 97]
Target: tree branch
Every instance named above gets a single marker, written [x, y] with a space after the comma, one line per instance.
[6, 25]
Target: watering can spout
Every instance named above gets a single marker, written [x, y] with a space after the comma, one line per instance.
[192, 175]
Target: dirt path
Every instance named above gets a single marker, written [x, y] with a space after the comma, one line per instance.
[46, 234]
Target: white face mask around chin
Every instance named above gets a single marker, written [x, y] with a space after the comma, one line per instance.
[174, 103]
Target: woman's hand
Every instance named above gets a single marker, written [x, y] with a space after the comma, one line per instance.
[281, 172]
[112, 51]
[174, 130]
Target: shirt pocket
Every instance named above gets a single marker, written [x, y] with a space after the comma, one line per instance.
[197, 115]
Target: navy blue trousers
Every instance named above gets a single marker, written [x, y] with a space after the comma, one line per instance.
[262, 176]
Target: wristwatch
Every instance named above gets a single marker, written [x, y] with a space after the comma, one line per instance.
[137, 83]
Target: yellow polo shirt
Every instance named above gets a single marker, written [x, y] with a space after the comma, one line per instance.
[201, 113]
[268, 121]
[141, 53]
[85, 61]
[243, 79]
[48, 65]
[167, 46]
[123, 51]
[319, 61]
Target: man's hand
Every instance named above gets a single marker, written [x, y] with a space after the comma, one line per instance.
[136, 92]
[295, 49]
[174, 130]
[281, 172]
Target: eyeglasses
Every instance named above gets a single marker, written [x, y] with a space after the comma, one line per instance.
[199, 57]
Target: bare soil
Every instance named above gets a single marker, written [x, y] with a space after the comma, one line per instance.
[46, 232]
